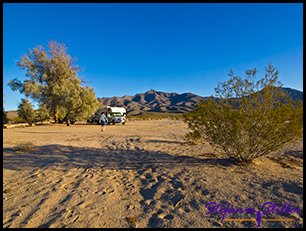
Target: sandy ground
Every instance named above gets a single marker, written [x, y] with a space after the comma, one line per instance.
[142, 174]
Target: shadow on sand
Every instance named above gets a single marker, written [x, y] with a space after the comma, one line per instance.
[61, 157]
[74, 157]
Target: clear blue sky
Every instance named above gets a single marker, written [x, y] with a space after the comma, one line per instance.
[131, 48]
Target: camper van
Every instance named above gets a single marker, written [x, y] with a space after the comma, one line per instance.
[114, 115]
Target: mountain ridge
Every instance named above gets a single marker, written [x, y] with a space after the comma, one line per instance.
[162, 102]
[154, 101]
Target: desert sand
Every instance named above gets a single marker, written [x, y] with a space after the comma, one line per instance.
[142, 174]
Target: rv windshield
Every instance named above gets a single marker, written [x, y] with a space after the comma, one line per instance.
[115, 114]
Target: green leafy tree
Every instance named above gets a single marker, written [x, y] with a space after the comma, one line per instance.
[78, 102]
[247, 119]
[43, 112]
[25, 111]
[50, 76]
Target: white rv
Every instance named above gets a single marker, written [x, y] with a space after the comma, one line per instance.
[114, 115]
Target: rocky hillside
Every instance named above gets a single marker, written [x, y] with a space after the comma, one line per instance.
[295, 94]
[155, 101]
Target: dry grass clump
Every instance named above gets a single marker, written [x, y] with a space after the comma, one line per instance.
[75, 139]
[131, 219]
[24, 147]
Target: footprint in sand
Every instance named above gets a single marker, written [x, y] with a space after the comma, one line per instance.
[167, 217]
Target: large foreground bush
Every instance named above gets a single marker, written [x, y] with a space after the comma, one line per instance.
[247, 119]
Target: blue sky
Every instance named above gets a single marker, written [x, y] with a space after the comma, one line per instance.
[131, 48]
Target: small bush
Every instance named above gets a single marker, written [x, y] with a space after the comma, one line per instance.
[247, 120]
[15, 120]
[24, 147]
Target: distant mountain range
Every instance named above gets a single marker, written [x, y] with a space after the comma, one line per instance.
[161, 102]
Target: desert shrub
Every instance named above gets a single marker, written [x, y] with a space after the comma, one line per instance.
[247, 119]
[18, 120]
[15, 120]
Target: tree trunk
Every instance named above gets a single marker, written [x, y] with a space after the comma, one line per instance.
[56, 114]
[67, 119]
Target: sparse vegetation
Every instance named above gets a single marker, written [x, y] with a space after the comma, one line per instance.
[156, 116]
[15, 120]
[5, 120]
[247, 119]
